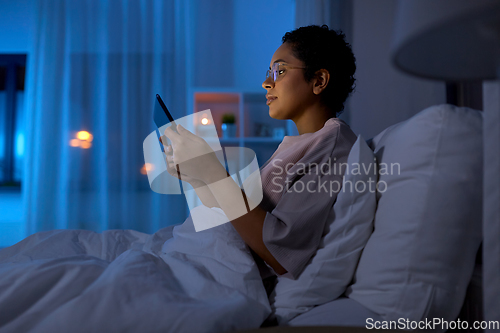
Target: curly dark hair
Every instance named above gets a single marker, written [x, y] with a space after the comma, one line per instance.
[322, 48]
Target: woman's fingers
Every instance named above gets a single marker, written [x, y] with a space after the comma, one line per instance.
[170, 159]
[181, 132]
[185, 132]
[168, 149]
[171, 168]
[164, 140]
[171, 134]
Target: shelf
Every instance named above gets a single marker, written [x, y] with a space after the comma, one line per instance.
[254, 126]
[262, 139]
[252, 139]
[231, 90]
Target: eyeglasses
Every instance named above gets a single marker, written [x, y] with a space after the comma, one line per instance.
[278, 70]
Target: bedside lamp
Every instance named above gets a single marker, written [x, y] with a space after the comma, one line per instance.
[458, 40]
[449, 40]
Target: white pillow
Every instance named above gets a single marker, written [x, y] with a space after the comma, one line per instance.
[330, 271]
[419, 260]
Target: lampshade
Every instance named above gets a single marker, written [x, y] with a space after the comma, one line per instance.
[448, 39]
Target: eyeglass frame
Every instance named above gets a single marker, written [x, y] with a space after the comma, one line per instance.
[276, 77]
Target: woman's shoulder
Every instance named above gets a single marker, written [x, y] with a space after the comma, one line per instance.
[335, 136]
[343, 131]
[337, 124]
[335, 139]
[335, 132]
[329, 131]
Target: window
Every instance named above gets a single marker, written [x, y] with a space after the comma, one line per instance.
[12, 136]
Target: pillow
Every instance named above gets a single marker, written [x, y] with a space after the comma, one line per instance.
[340, 312]
[331, 270]
[427, 229]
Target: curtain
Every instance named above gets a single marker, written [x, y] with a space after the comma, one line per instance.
[308, 12]
[96, 67]
[337, 14]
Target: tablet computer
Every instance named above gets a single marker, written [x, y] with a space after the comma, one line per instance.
[161, 115]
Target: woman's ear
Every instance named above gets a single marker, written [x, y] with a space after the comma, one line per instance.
[320, 81]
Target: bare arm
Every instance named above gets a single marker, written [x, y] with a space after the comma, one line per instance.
[203, 192]
[198, 161]
[229, 196]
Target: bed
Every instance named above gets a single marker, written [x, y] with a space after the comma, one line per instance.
[422, 259]
[406, 251]
[176, 280]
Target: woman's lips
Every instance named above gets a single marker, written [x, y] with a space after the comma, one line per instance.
[270, 99]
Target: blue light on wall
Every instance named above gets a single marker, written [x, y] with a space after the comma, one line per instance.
[19, 137]
[2, 135]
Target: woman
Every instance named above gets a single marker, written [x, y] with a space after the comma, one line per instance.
[310, 76]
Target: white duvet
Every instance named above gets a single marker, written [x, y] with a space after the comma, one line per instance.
[176, 280]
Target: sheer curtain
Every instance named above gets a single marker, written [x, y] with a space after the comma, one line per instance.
[337, 14]
[96, 67]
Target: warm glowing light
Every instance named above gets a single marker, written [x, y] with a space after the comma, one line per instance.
[85, 144]
[204, 121]
[74, 143]
[147, 167]
[83, 135]
[83, 140]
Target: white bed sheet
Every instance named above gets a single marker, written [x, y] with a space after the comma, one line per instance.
[176, 280]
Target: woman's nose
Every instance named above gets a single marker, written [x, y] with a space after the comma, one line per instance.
[268, 83]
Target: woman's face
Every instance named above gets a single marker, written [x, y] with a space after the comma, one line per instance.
[290, 95]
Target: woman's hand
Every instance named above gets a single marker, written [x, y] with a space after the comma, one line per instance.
[172, 169]
[194, 157]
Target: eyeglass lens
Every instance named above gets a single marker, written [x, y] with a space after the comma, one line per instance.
[273, 72]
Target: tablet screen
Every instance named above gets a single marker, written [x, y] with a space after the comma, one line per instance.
[161, 115]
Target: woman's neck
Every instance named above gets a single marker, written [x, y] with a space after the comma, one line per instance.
[312, 120]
